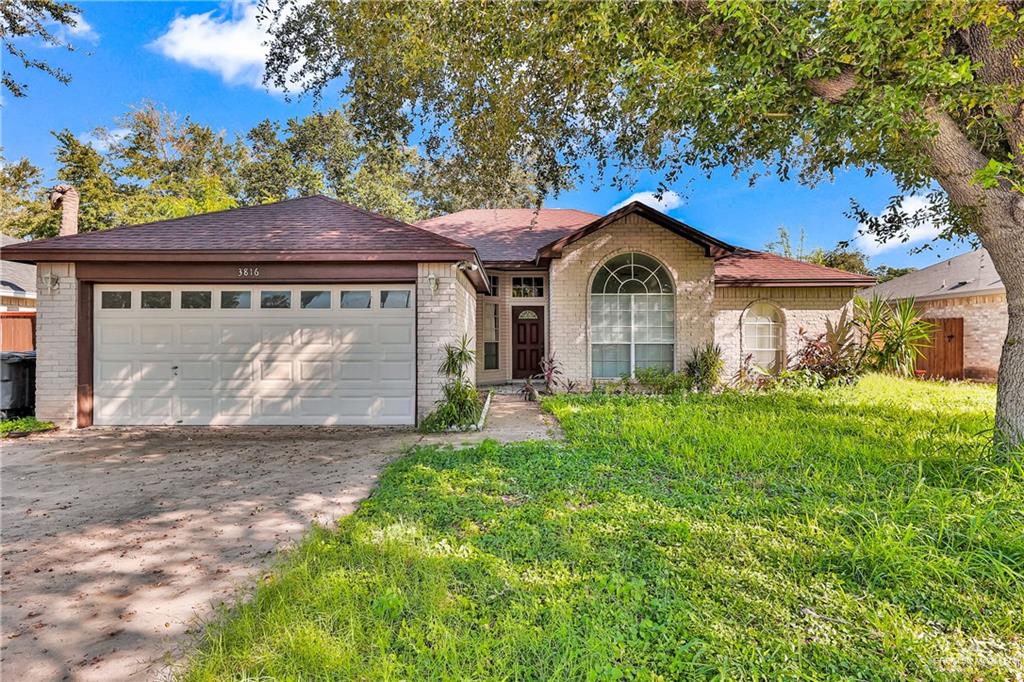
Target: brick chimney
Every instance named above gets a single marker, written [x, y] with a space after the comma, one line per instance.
[65, 197]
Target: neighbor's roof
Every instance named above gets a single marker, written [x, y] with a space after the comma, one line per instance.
[745, 267]
[969, 274]
[310, 228]
[18, 279]
[505, 235]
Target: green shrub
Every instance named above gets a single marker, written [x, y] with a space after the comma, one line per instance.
[662, 381]
[24, 424]
[704, 368]
[460, 405]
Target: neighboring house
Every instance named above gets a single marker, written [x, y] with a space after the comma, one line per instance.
[965, 288]
[17, 302]
[17, 282]
[311, 311]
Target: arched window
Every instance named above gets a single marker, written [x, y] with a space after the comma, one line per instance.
[763, 331]
[632, 317]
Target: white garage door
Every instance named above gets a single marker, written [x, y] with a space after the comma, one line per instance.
[312, 354]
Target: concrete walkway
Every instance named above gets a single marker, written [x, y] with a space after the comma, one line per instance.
[117, 541]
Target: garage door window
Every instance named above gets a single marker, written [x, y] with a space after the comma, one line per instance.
[275, 299]
[196, 300]
[355, 299]
[234, 300]
[394, 299]
[316, 299]
[111, 300]
[156, 299]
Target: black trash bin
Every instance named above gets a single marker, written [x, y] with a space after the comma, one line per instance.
[17, 383]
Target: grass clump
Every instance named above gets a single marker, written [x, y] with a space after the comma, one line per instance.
[23, 425]
[860, 532]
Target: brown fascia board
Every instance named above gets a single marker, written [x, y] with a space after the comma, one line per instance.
[25, 254]
[762, 282]
[713, 248]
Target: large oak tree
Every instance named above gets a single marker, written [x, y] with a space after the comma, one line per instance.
[931, 91]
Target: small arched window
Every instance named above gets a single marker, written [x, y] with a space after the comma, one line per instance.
[763, 332]
[632, 316]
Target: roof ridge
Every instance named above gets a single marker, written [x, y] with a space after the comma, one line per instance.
[397, 222]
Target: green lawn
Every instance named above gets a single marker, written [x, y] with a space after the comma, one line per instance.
[865, 532]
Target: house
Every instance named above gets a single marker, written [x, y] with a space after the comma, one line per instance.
[965, 297]
[17, 303]
[311, 311]
[17, 282]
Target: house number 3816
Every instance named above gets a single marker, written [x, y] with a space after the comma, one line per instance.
[249, 272]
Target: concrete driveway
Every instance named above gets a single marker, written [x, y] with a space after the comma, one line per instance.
[117, 541]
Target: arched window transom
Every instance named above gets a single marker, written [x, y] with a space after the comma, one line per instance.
[763, 331]
[632, 317]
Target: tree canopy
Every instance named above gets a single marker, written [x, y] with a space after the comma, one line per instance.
[44, 20]
[156, 165]
[930, 92]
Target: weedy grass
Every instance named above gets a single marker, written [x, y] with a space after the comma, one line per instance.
[23, 425]
[866, 532]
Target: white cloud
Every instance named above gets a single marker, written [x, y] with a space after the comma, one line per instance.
[102, 139]
[229, 43]
[665, 201]
[83, 30]
[926, 231]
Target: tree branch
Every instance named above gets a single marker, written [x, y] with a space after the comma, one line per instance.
[835, 88]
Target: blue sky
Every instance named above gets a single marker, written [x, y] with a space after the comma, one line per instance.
[204, 59]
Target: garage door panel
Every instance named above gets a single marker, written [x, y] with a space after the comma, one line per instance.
[321, 337]
[354, 336]
[277, 335]
[254, 366]
[396, 370]
[197, 334]
[238, 334]
[112, 334]
[156, 335]
[394, 334]
[276, 370]
[316, 370]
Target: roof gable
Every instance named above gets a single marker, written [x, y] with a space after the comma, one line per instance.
[713, 248]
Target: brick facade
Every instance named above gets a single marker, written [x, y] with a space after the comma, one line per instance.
[442, 317]
[57, 345]
[985, 319]
[569, 289]
[802, 307]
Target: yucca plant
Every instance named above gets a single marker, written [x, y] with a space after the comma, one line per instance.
[904, 338]
[460, 404]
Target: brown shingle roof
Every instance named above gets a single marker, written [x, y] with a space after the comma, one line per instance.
[16, 278]
[503, 235]
[310, 225]
[744, 267]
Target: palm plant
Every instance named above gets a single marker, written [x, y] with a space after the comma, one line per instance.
[904, 338]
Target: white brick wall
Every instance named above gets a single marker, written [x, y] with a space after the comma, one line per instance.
[442, 317]
[985, 319]
[57, 345]
[802, 307]
[570, 277]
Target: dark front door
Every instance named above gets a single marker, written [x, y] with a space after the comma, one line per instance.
[527, 340]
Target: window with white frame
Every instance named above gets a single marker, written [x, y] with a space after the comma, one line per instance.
[527, 287]
[493, 281]
[632, 317]
[763, 329]
[490, 336]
